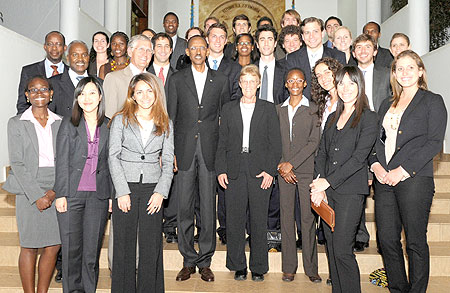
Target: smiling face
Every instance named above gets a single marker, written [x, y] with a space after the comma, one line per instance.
[89, 98]
[342, 39]
[217, 39]
[295, 83]
[399, 45]
[364, 53]
[241, 27]
[170, 25]
[144, 95]
[244, 46]
[331, 27]
[312, 35]
[54, 47]
[324, 76]
[38, 93]
[118, 46]
[162, 50]
[249, 84]
[289, 20]
[78, 58]
[292, 43]
[266, 43]
[347, 90]
[100, 44]
[372, 29]
[197, 50]
[141, 54]
[407, 72]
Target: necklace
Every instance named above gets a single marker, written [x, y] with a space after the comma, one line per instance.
[114, 64]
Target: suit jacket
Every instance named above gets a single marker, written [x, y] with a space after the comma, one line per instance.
[381, 86]
[23, 148]
[71, 155]
[129, 159]
[232, 70]
[28, 72]
[264, 141]
[342, 155]
[171, 71]
[180, 49]
[192, 118]
[63, 90]
[305, 137]
[383, 58]
[300, 60]
[280, 92]
[419, 136]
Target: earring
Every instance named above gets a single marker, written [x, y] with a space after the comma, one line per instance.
[51, 98]
[28, 100]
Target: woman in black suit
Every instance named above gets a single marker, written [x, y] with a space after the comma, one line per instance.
[412, 127]
[83, 186]
[248, 152]
[341, 174]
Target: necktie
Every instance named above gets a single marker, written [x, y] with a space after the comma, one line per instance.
[79, 77]
[215, 65]
[161, 75]
[264, 86]
[55, 70]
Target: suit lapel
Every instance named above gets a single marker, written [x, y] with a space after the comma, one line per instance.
[135, 129]
[67, 86]
[414, 102]
[41, 68]
[81, 131]
[237, 117]
[103, 136]
[55, 128]
[284, 118]
[29, 126]
[375, 86]
[208, 85]
[190, 83]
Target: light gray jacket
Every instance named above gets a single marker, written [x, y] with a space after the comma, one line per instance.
[129, 158]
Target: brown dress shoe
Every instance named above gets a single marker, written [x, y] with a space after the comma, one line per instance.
[288, 277]
[185, 273]
[206, 274]
[315, 279]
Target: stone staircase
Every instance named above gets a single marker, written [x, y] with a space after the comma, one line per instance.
[369, 260]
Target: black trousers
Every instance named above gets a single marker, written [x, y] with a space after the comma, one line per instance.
[187, 187]
[362, 235]
[344, 270]
[150, 273]
[242, 193]
[405, 205]
[81, 228]
[221, 210]
[273, 216]
[170, 209]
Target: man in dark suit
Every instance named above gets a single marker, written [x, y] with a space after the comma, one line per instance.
[170, 23]
[289, 17]
[378, 88]
[307, 56]
[241, 25]
[384, 57]
[196, 95]
[64, 84]
[331, 24]
[54, 47]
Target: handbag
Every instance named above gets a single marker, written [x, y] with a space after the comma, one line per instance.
[326, 213]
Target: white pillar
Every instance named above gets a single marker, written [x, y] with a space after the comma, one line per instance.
[69, 19]
[124, 16]
[373, 11]
[112, 15]
[419, 25]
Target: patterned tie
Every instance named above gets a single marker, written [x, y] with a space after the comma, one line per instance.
[215, 65]
[161, 75]
[55, 70]
[264, 86]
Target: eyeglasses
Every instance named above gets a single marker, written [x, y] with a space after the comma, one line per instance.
[194, 48]
[244, 43]
[42, 90]
[291, 81]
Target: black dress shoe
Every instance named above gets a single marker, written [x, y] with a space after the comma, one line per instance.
[315, 279]
[257, 277]
[321, 242]
[58, 277]
[240, 275]
[298, 243]
[185, 273]
[223, 239]
[171, 237]
[329, 282]
[360, 246]
[196, 236]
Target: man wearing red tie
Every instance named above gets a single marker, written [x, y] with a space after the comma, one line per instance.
[162, 49]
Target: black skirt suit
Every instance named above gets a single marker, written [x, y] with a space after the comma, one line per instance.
[342, 161]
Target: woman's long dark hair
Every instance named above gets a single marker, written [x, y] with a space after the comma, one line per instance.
[77, 112]
[362, 103]
[253, 54]
[319, 94]
[93, 53]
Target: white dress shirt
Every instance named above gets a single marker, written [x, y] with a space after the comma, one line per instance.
[211, 62]
[157, 68]
[247, 113]
[49, 70]
[270, 77]
[313, 57]
[327, 113]
[73, 76]
[200, 80]
[368, 80]
[135, 70]
[292, 110]
[174, 41]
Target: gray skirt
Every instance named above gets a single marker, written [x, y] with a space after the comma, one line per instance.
[38, 229]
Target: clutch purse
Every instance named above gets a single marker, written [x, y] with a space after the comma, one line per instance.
[326, 213]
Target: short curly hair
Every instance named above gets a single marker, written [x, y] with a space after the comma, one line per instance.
[289, 30]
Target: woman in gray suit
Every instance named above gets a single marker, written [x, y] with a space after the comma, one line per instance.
[141, 156]
[31, 142]
[83, 186]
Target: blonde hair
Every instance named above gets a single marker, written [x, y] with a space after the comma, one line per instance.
[158, 112]
[397, 89]
[250, 69]
[342, 28]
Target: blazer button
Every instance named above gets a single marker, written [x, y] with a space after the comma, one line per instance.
[199, 121]
[334, 163]
[98, 172]
[336, 149]
[142, 157]
[79, 170]
[398, 148]
[196, 136]
[414, 173]
[399, 132]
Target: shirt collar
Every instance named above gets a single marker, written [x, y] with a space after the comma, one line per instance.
[135, 70]
[28, 115]
[48, 63]
[73, 76]
[368, 68]
[304, 102]
[319, 51]
[270, 64]
[194, 71]
[219, 59]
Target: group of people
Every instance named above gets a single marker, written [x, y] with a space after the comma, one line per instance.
[151, 128]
